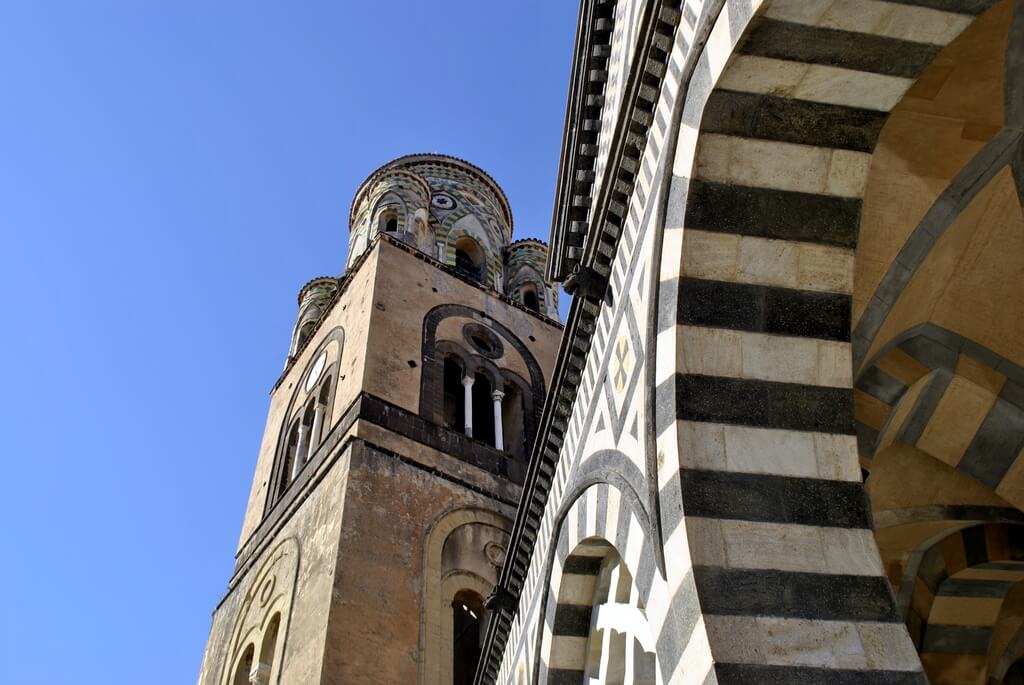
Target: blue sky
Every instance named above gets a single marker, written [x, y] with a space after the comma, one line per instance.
[170, 175]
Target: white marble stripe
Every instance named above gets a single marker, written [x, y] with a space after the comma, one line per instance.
[568, 651]
[612, 517]
[577, 589]
[743, 449]
[783, 547]
[634, 544]
[805, 642]
[762, 261]
[741, 354]
[696, 659]
[892, 20]
[814, 83]
[591, 522]
[782, 166]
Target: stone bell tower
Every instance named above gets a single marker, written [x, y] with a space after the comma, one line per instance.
[396, 444]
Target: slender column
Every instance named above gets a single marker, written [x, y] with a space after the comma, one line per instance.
[467, 383]
[260, 674]
[300, 450]
[314, 433]
[499, 439]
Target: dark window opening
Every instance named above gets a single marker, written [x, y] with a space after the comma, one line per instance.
[469, 258]
[530, 300]
[467, 623]
[1015, 675]
[512, 428]
[388, 221]
[483, 410]
[289, 459]
[243, 668]
[454, 396]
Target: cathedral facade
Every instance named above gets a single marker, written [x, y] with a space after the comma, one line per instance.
[784, 441]
[780, 438]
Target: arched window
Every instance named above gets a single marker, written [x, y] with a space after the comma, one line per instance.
[483, 409]
[305, 435]
[469, 258]
[389, 221]
[454, 396]
[244, 667]
[262, 670]
[512, 421]
[619, 647]
[467, 623]
[305, 331]
[530, 301]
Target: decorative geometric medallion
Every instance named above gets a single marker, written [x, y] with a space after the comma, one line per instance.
[625, 364]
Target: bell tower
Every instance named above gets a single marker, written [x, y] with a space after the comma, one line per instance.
[396, 444]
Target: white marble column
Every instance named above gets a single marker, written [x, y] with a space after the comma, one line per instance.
[467, 383]
[300, 450]
[318, 421]
[499, 439]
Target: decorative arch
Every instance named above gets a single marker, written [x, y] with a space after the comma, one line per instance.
[261, 624]
[317, 401]
[598, 523]
[760, 200]
[435, 351]
[440, 587]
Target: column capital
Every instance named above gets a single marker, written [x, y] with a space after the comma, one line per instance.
[467, 380]
[497, 395]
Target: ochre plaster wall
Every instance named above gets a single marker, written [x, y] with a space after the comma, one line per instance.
[315, 527]
[405, 289]
[351, 312]
[938, 126]
[373, 634]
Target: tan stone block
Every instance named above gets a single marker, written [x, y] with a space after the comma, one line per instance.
[705, 541]
[702, 446]
[758, 545]
[887, 646]
[828, 644]
[921, 25]
[807, 12]
[955, 421]
[851, 551]
[1011, 488]
[869, 410]
[777, 452]
[852, 88]
[710, 255]
[823, 268]
[778, 358]
[980, 374]
[836, 456]
[991, 574]
[751, 74]
[711, 351]
[567, 651]
[965, 611]
[767, 262]
[955, 669]
[848, 173]
[835, 364]
[902, 366]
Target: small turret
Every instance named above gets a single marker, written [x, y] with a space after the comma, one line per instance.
[525, 266]
[313, 300]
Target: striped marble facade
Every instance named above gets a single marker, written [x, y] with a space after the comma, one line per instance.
[702, 420]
